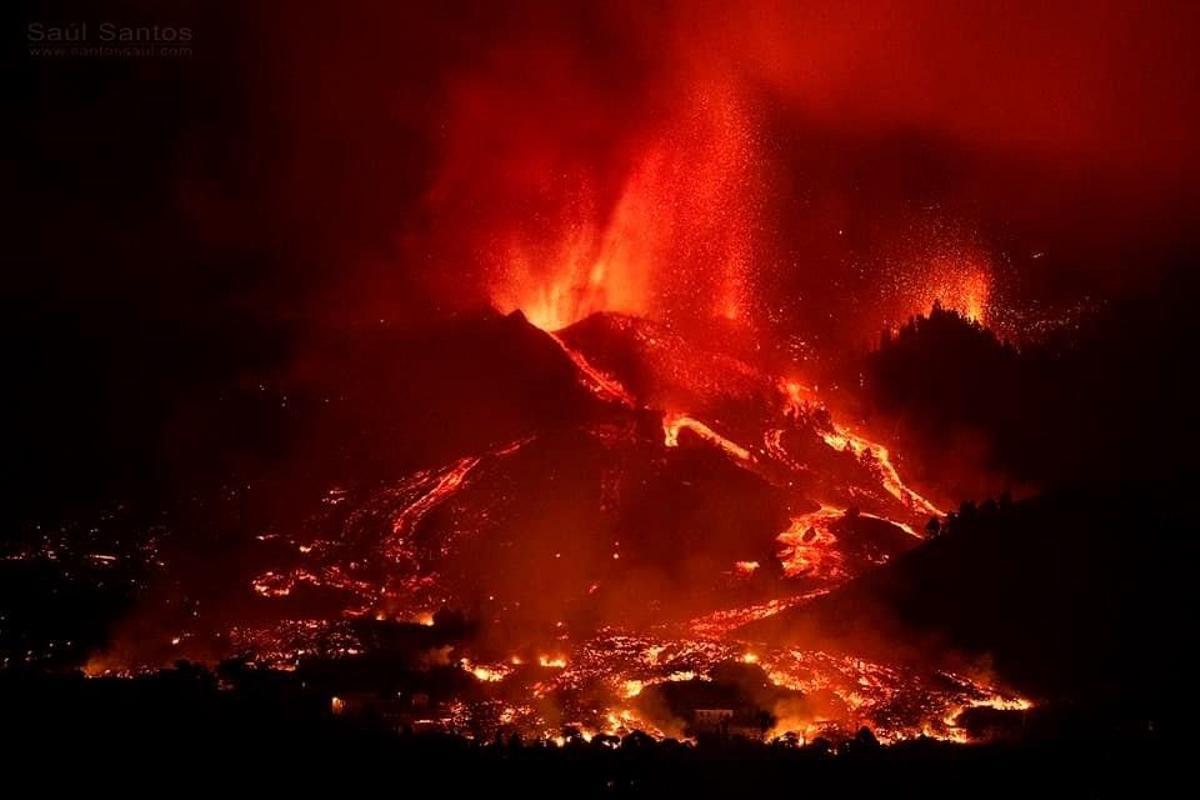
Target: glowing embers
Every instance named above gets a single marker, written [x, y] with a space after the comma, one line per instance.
[617, 683]
[487, 673]
[963, 287]
[958, 278]
[276, 584]
[613, 684]
[673, 423]
[285, 643]
[423, 618]
[841, 691]
[719, 623]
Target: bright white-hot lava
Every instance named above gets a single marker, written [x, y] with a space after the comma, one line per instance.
[674, 423]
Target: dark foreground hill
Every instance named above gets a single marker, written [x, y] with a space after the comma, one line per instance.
[1105, 401]
[1083, 596]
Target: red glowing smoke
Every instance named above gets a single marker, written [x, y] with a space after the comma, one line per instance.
[634, 163]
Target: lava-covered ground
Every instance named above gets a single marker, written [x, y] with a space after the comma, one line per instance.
[548, 531]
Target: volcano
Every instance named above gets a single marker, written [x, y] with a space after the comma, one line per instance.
[563, 520]
[636, 387]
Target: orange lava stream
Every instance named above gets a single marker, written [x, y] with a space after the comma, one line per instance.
[598, 383]
[842, 438]
[440, 486]
[810, 546]
[673, 423]
[720, 623]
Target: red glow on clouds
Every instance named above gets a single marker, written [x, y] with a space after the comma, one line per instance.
[957, 282]
[770, 164]
[678, 238]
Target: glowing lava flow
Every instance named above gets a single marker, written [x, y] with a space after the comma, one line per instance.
[612, 685]
[436, 486]
[674, 423]
[720, 623]
[396, 514]
[810, 546]
[598, 383]
[841, 438]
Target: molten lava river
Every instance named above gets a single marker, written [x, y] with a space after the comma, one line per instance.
[596, 575]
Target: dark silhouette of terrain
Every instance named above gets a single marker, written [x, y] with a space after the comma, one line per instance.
[1106, 401]
[1076, 597]
[188, 724]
